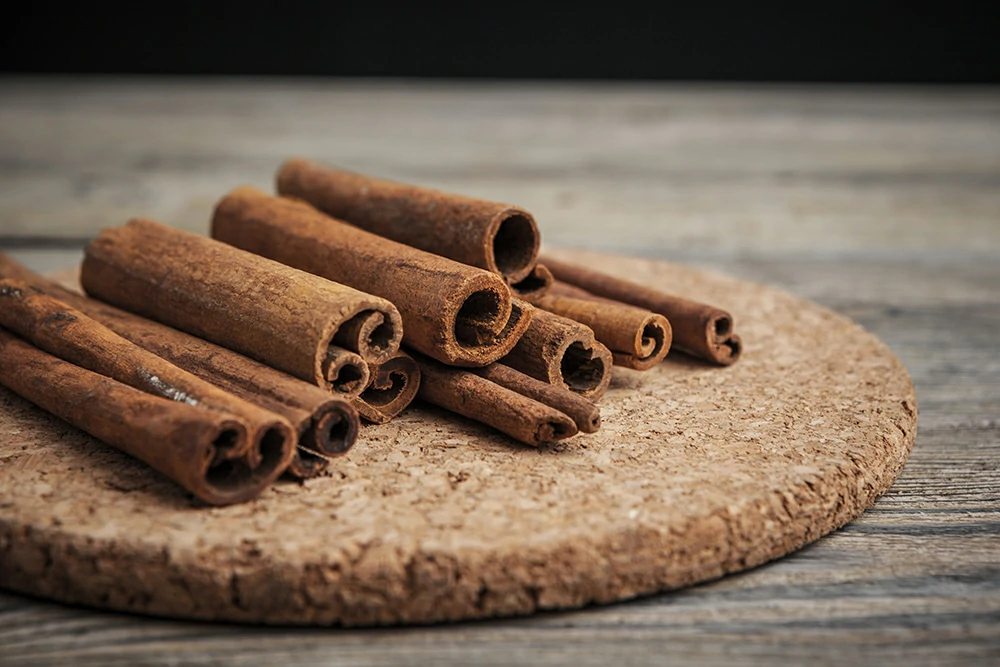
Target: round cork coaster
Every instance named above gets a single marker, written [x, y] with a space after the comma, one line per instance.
[697, 471]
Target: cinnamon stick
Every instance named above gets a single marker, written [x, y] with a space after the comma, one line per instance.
[699, 329]
[564, 353]
[392, 387]
[452, 312]
[477, 398]
[584, 414]
[68, 334]
[325, 424]
[286, 318]
[536, 284]
[500, 238]
[638, 338]
[180, 440]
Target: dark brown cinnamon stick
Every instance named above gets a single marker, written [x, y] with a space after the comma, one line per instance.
[699, 329]
[537, 284]
[500, 238]
[68, 334]
[584, 414]
[325, 424]
[564, 353]
[286, 318]
[393, 386]
[455, 313]
[638, 338]
[181, 441]
[477, 398]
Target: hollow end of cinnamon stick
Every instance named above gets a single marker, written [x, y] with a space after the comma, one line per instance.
[513, 240]
[392, 388]
[535, 284]
[373, 336]
[333, 429]
[563, 352]
[344, 372]
[487, 326]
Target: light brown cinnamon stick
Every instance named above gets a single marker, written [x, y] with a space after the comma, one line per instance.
[564, 353]
[638, 338]
[500, 238]
[584, 414]
[393, 386]
[455, 313]
[181, 441]
[325, 424]
[283, 317]
[699, 329]
[477, 398]
[68, 334]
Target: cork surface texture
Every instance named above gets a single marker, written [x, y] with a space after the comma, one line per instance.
[697, 472]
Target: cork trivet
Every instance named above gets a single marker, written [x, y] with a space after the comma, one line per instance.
[698, 471]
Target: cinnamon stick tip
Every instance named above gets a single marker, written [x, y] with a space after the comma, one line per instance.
[514, 242]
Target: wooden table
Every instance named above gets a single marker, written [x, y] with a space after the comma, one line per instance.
[882, 203]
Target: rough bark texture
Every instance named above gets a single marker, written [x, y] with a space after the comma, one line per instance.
[564, 353]
[586, 415]
[392, 387]
[470, 395]
[325, 424]
[455, 313]
[699, 329]
[281, 316]
[500, 238]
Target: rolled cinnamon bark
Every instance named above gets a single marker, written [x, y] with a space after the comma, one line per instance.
[564, 353]
[325, 424]
[699, 329]
[584, 414]
[500, 238]
[455, 313]
[64, 332]
[477, 398]
[284, 317]
[180, 440]
[537, 284]
[638, 338]
[392, 387]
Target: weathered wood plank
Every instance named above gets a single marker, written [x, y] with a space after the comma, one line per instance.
[769, 170]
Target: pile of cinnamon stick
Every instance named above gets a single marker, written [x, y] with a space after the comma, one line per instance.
[225, 362]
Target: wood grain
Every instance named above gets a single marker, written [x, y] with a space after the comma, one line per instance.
[914, 581]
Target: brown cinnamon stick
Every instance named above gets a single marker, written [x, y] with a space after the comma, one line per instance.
[699, 329]
[288, 319]
[584, 414]
[181, 441]
[500, 238]
[393, 386]
[638, 338]
[325, 424]
[68, 334]
[455, 313]
[477, 398]
[564, 353]
[536, 284]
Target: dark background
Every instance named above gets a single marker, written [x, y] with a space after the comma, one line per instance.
[678, 41]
